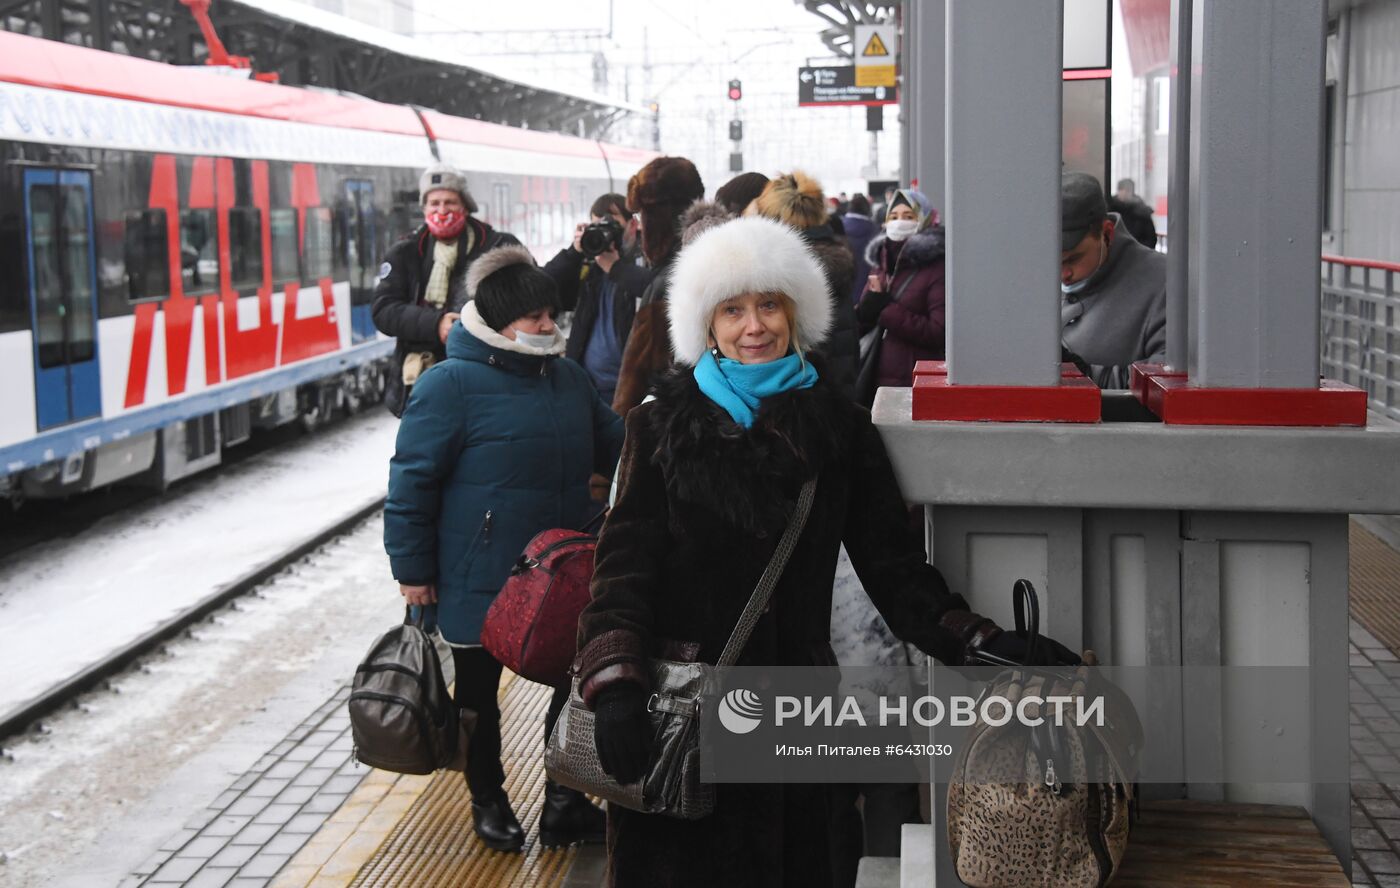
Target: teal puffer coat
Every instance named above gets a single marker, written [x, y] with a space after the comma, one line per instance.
[494, 447]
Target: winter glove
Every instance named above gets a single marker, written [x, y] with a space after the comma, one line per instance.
[1012, 646]
[622, 731]
[980, 634]
[871, 304]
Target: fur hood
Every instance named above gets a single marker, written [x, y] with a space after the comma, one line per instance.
[700, 217]
[747, 477]
[492, 261]
[922, 248]
[747, 255]
[795, 198]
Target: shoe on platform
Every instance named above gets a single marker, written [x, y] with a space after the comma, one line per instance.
[568, 818]
[495, 824]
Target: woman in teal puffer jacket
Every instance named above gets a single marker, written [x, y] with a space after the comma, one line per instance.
[497, 444]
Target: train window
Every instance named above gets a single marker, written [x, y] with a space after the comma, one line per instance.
[245, 247]
[199, 252]
[286, 263]
[14, 297]
[403, 221]
[147, 255]
[316, 248]
[500, 199]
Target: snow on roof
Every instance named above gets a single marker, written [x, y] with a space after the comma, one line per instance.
[320, 19]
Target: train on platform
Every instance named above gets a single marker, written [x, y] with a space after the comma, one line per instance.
[187, 256]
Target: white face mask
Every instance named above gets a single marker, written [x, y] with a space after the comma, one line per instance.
[542, 341]
[900, 229]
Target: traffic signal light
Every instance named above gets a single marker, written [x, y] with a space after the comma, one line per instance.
[736, 130]
[736, 90]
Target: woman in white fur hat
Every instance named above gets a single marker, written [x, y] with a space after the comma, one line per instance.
[709, 474]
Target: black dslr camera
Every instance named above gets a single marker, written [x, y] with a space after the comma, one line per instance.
[599, 237]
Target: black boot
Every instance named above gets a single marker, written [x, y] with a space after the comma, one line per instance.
[568, 818]
[495, 824]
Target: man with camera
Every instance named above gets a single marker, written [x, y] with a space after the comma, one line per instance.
[601, 285]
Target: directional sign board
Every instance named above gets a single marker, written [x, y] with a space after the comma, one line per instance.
[874, 54]
[836, 85]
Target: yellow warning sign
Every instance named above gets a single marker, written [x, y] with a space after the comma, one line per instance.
[875, 63]
[875, 46]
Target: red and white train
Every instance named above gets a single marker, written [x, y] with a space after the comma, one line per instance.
[185, 256]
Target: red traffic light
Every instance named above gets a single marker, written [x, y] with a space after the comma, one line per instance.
[736, 90]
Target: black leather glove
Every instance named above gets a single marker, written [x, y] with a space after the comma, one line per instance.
[622, 731]
[1012, 646]
[871, 304]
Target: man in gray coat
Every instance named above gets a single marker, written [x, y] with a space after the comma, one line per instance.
[1113, 290]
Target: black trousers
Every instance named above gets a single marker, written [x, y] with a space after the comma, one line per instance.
[478, 678]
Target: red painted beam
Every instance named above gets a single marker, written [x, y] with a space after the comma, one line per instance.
[1075, 399]
[1333, 404]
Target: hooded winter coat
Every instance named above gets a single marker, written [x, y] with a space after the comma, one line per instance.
[701, 504]
[914, 317]
[497, 444]
[1121, 316]
[399, 310]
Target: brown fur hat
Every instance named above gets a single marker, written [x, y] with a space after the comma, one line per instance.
[794, 198]
[659, 193]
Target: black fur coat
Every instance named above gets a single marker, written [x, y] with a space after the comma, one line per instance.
[702, 502]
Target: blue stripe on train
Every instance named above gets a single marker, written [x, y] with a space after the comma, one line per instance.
[87, 435]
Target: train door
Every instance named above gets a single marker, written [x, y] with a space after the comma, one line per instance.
[62, 295]
[360, 249]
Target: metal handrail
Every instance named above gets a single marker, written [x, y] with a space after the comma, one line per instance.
[1360, 329]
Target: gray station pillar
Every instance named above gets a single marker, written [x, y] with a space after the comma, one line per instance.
[1255, 210]
[1178, 186]
[1004, 101]
[924, 66]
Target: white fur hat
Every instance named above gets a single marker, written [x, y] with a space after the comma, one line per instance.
[747, 255]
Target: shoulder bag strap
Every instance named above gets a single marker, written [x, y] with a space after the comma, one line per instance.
[766, 583]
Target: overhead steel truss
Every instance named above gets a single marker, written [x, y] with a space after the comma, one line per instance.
[301, 55]
[843, 15]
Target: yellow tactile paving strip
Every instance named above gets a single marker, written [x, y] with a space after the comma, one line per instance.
[402, 830]
[1375, 586]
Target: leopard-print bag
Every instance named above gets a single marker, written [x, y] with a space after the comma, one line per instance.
[1049, 806]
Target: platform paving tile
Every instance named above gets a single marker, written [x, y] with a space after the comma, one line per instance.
[1375, 763]
[252, 829]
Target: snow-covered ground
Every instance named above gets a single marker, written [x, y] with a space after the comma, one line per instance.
[66, 604]
[110, 779]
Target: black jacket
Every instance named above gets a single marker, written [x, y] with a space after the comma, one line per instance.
[580, 293]
[399, 309]
[1137, 218]
[842, 344]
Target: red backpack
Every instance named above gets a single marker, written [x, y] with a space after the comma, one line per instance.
[532, 626]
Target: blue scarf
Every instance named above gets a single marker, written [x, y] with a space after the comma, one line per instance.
[740, 388]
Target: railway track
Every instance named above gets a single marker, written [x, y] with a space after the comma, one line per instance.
[22, 717]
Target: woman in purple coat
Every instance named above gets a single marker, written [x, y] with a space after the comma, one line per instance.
[904, 292]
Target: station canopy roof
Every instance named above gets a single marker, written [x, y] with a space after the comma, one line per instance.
[306, 46]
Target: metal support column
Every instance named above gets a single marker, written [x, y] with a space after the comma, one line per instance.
[925, 69]
[910, 54]
[1256, 193]
[1178, 185]
[1003, 88]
